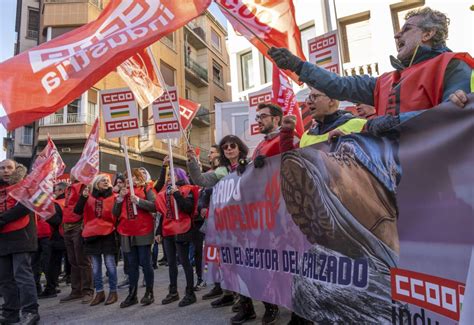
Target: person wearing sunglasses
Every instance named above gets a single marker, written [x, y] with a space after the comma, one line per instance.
[233, 154]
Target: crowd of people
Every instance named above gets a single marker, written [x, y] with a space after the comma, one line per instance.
[97, 223]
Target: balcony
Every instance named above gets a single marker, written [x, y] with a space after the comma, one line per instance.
[195, 35]
[202, 117]
[371, 69]
[66, 128]
[195, 73]
[60, 119]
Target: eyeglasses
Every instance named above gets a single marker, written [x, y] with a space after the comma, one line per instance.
[228, 145]
[313, 97]
[407, 27]
[262, 116]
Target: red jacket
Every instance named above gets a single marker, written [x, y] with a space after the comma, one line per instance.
[6, 203]
[171, 226]
[135, 225]
[72, 194]
[270, 146]
[43, 228]
[98, 217]
[415, 88]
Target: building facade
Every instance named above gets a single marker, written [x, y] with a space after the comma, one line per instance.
[193, 58]
[365, 30]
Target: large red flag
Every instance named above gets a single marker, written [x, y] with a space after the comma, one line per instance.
[284, 96]
[140, 75]
[40, 81]
[88, 165]
[48, 151]
[187, 111]
[265, 24]
[36, 191]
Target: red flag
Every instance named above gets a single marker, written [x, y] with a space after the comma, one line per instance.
[306, 115]
[48, 151]
[42, 80]
[140, 75]
[88, 165]
[187, 111]
[284, 96]
[266, 24]
[36, 191]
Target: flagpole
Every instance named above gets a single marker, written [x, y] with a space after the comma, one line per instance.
[172, 175]
[241, 23]
[129, 172]
[175, 110]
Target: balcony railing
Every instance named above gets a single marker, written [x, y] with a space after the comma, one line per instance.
[71, 118]
[198, 30]
[371, 69]
[202, 116]
[196, 68]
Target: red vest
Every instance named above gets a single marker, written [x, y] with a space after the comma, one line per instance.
[98, 218]
[6, 203]
[171, 226]
[267, 148]
[72, 194]
[135, 225]
[43, 229]
[62, 203]
[415, 88]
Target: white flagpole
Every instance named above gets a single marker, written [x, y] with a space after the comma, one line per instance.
[173, 179]
[175, 109]
[129, 171]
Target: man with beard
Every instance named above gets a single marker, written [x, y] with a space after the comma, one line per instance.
[17, 243]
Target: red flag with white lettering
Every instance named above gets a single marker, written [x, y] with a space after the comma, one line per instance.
[36, 191]
[42, 80]
[187, 111]
[284, 96]
[140, 75]
[266, 24]
[88, 165]
[48, 151]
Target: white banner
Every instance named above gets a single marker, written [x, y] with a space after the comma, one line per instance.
[166, 116]
[120, 113]
[323, 51]
[262, 96]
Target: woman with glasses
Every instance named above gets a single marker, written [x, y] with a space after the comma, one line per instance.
[233, 154]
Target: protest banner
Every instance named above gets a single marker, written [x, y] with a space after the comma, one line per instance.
[167, 124]
[55, 73]
[283, 233]
[187, 111]
[261, 96]
[324, 52]
[120, 113]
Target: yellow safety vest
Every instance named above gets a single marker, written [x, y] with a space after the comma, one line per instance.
[353, 125]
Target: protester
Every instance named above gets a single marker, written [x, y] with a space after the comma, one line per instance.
[81, 269]
[100, 235]
[177, 232]
[137, 235]
[56, 244]
[233, 153]
[17, 243]
[365, 111]
[40, 259]
[422, 53]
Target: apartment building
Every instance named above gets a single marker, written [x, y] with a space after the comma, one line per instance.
[193, 58]
[365, 29]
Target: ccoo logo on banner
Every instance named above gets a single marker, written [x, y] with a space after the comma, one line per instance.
[262, 96]
[323, 51]
[166, 116]
[120, 113]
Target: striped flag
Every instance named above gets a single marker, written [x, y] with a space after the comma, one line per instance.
[166, 112]
[323, 58]
[119, 111]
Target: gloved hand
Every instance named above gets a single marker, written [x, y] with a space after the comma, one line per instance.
[284, 59]
[259, 161]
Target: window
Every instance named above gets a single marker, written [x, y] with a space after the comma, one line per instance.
[168, 73]
[267, 69]
[27, 135]
[33, 23]
[145, 116]
[308, 31]
[399, 10]
[215, 40]
[356, 38]
[92, 111]
[187, 93]
[217, 75]
[246, 70]
[168, 40]
[73, 111]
